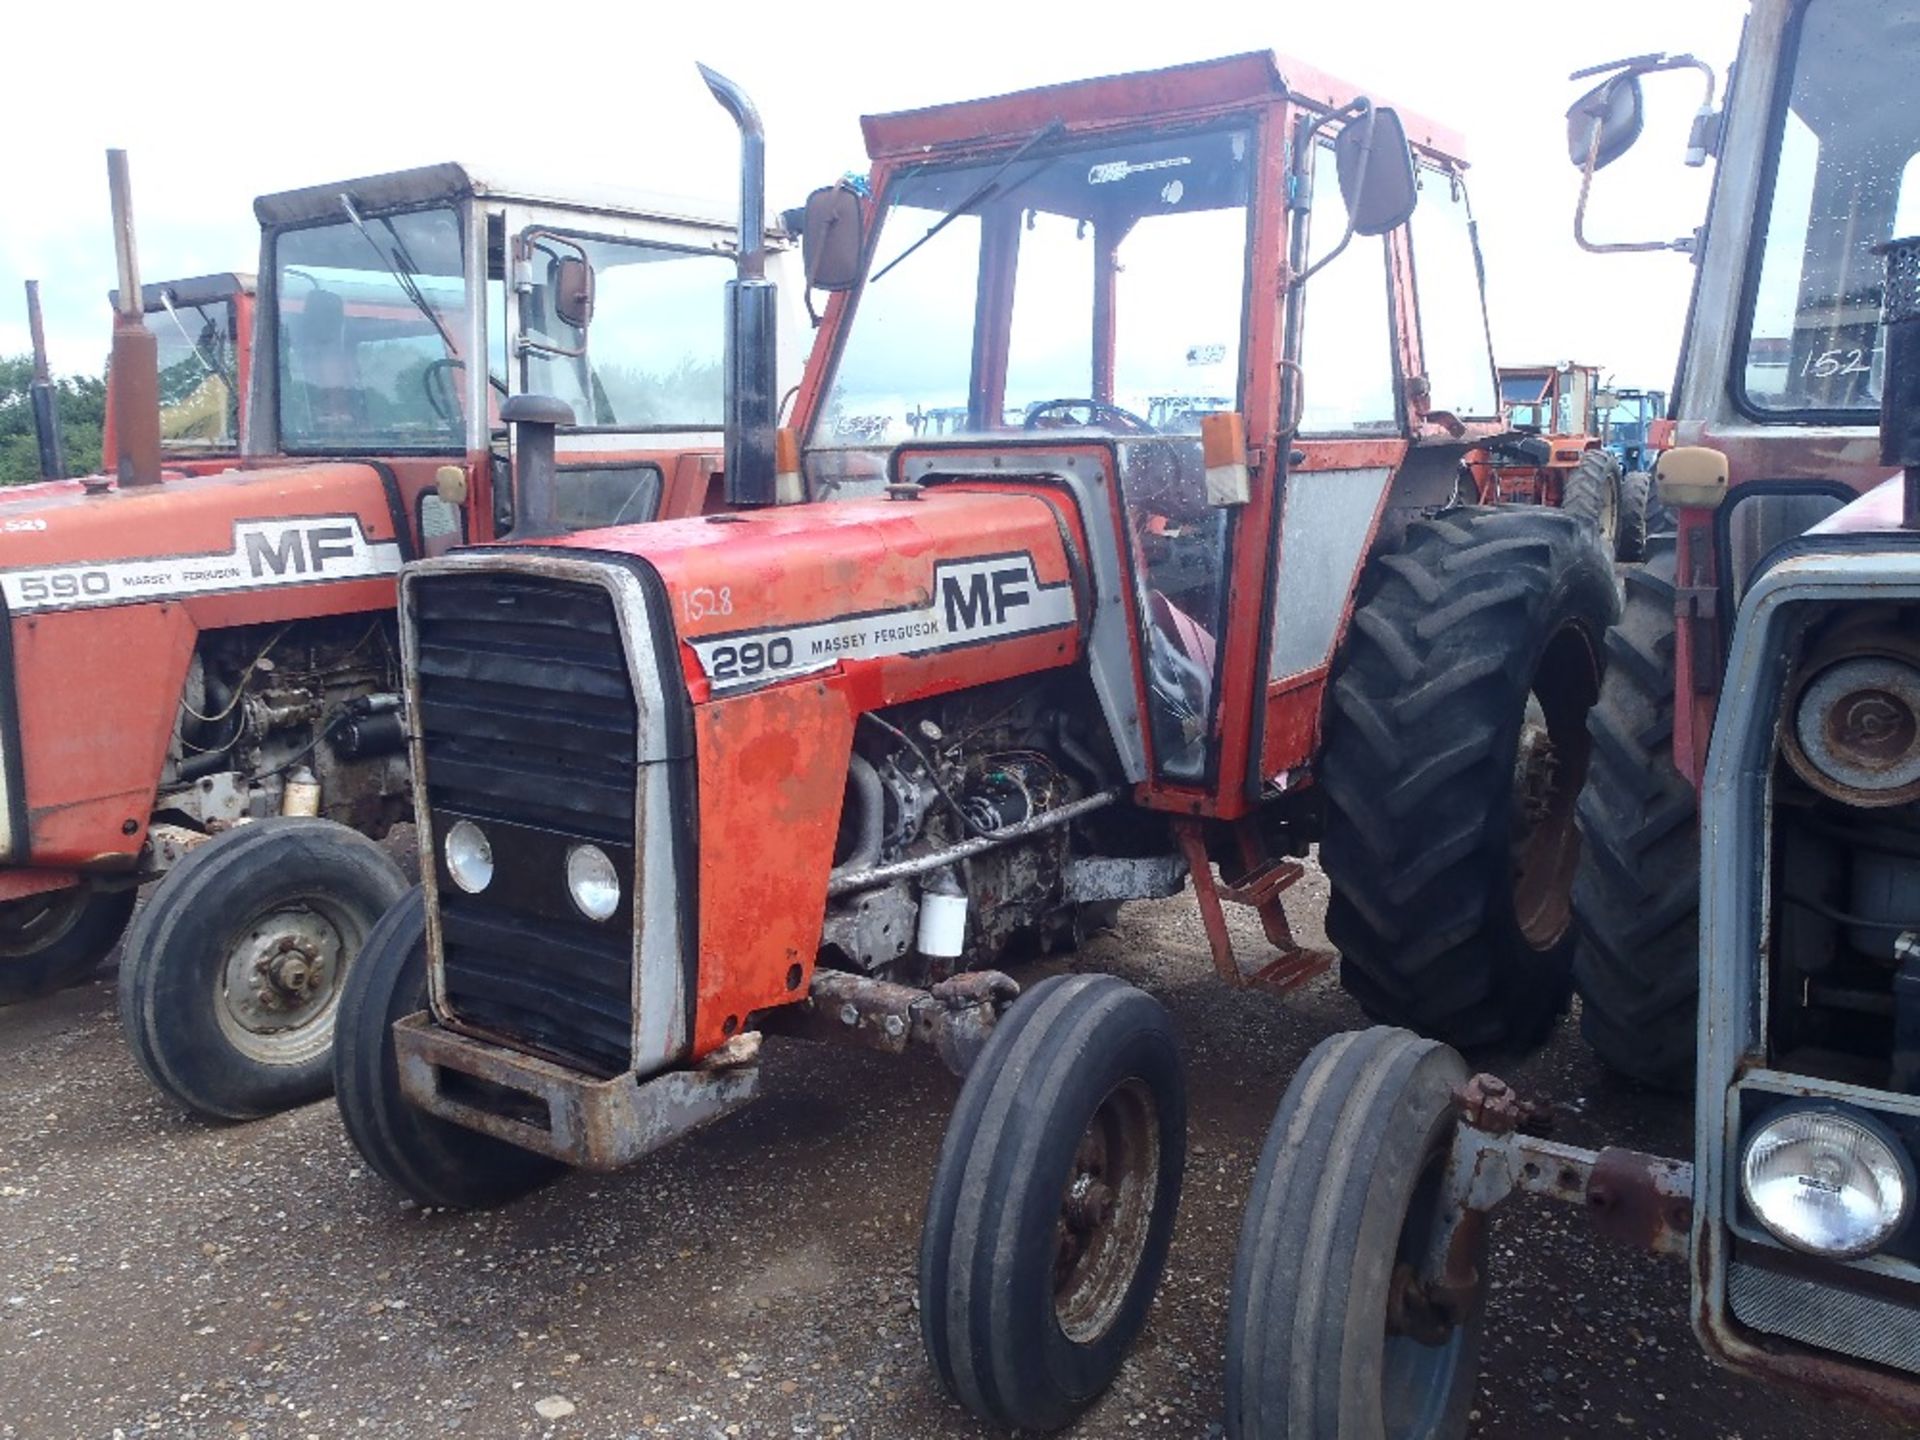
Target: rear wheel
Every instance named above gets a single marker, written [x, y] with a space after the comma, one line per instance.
[1636, 898]
[1344, 1207]
[58, 938]
[1455, 746]
[1636, 492]
[1053, 1202]
[434, 1161]
[232, 974]
[1592, 495]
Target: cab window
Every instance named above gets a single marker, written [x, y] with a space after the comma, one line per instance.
[1453, 313]
[1346, 334]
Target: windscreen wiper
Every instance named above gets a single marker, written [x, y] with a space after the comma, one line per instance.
[403, 273]
[212, 364]
[985, 189]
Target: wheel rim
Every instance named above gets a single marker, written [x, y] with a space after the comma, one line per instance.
[1418, 1379]
[278, 985]
[1609, 515]
[1550, 766]
[28, 926]
[1106, 1212]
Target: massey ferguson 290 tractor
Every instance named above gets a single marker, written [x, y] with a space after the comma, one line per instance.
[185, 659]
[810, 768]
[1359, 1289]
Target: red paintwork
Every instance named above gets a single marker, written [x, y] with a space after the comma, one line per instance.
[1878, 509]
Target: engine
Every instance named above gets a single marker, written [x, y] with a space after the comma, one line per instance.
[1845, 997]
[295, 718]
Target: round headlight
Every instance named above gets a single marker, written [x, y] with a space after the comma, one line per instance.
[1827, 1183]
[593, 882]
[469, 856]
[1857, 728]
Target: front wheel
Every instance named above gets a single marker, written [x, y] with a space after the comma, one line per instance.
[1345, 1205]
[58, 938]
[1456, 744]
[434, 1161]
[232, 974]
[1053, 1202]
[1593, 495]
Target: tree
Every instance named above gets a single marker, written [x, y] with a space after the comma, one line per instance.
[83, 414]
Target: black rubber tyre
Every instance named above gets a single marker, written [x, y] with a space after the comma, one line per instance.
[1450, 848]
[50, 941]
[1035, 1274]
[1636, 491]
[290, 898]
[1636, 899]
[1592, 494]
[1346, 1190]
[434, 1161]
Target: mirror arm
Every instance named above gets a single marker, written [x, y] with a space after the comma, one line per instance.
[1361, 109]
[1685, 243]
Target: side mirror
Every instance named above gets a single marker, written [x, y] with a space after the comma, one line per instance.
[573, 290]
[1612, 114]
[833, 239]
[1375, 164]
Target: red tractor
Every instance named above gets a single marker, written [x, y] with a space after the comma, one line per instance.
[1769, 951]
[1556, 454]
[233, 631]
[811, 769]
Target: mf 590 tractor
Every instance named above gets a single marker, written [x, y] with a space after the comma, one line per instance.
[1359, 1289]
[808, 769]
[1556, 454]
[233, 632]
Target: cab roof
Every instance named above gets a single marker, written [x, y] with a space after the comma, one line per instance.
[1199, 89]
[452, 180]
[198, 290]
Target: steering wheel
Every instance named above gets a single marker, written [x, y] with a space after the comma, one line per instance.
[1124, 421]
[437, 381]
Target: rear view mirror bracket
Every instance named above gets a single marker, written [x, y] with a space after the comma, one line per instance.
[1606, 121]
[571, 281]
[1374, 163]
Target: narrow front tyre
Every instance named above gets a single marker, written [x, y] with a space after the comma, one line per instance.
[434, 1161]
[1324, 1341]
[58, 938]
[232, 974]
[1053, 1202]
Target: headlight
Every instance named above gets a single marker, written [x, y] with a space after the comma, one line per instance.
[593, 882]
[1827, 1183]
[469, 856]
[1856, 730]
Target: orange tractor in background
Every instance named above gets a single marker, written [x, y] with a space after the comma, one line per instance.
[232, 632]
[1556, 454]
[814, 769]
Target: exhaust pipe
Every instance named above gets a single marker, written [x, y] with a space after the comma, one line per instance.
[43, 397]
[135, 392]
[752, 399]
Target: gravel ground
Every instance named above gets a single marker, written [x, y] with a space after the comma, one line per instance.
[160, 1277]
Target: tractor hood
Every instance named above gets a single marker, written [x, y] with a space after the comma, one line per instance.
[801, 589]
[63, 549]
[1878, 509]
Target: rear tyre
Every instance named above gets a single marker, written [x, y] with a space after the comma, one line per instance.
[232, 974]
[435, 1162]
[1636, 898]
[1455, 745]
[1347, 1193]
[50, 941]
[1636, 491]
[1053, 1202]
[1592, 495]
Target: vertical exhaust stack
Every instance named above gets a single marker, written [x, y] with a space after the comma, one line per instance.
[135, 392]
[752, 388]
[44, 398]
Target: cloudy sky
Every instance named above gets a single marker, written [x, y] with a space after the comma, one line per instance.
[222, 101]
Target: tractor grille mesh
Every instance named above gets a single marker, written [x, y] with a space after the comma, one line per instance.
[1866, 1327]
[530, 729]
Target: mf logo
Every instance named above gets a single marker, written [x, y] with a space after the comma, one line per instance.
[297, 551]
[987, 595]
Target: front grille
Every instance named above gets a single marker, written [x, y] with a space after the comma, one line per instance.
[528, 722]
[1865, 1327]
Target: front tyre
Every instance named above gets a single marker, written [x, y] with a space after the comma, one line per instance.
[232, 974]
[1455, 745]
[56, 939]
[1348, 1195]
[434, 1161]
[1053, 1202]
[1593, 494]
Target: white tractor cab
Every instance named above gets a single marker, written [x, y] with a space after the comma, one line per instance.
[1785, 620]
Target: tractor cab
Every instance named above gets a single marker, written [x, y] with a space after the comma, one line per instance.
[203, 333]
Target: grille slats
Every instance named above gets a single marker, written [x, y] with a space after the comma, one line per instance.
[527, 718]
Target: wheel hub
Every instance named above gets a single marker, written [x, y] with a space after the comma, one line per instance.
[281, 973]
[1106, 1210]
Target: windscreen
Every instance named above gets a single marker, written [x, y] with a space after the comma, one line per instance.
[199, 382]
